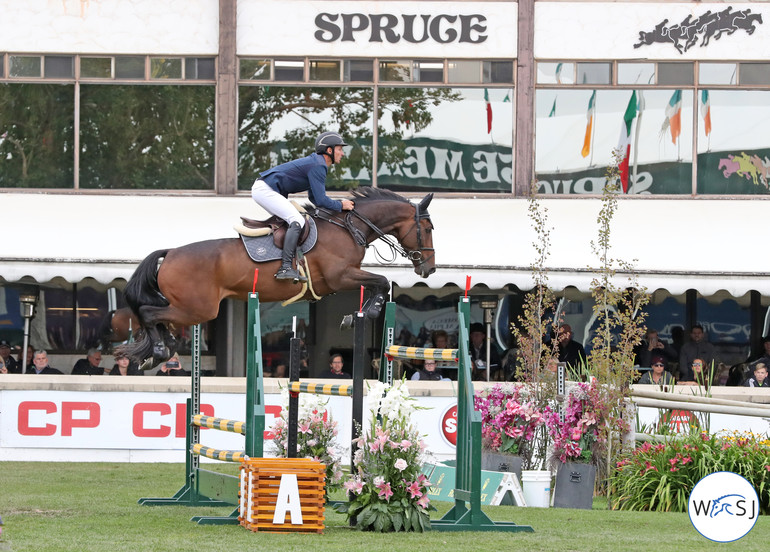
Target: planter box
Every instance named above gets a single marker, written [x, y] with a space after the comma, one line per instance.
[501, 462]
[574, 486]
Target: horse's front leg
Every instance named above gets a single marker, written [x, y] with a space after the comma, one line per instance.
[378, 287]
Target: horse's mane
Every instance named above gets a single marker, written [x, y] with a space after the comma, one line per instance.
[367, 193]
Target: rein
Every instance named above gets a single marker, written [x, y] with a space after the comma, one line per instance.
[360, 239]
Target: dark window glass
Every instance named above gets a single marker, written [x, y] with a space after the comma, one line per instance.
[359, 70]
[24, 66]
[61, 67]
[429, 71]
[95, 68]
[676, 73]
[199, 69]
[129, 67]
[36, 135]
[2, 66]
[151, 137]
[755, 73]
[289, 70]
[498, 71]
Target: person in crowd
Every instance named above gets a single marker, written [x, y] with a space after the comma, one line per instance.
[271, 191]
[89, 366]
[11, 365]
[335, 368]
[3, 369]
[697, 347]
[759, 379]
[172, 367]
[429, 372]
[652, 345]
[478, 352]
[40, 364]
[125, 367]
[570, 351]
[702, 375]
[20, 359]
[439, 339]
[657, 374]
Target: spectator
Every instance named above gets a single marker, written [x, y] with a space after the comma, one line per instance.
[570, 351]
[89, 366]
[335, 368]
[11, 365]
[428, 372]
[697, 347]
[172, 367]
[125, 367]
[40, 364]
[30, 355]
[478, 351]
[652, 345]
[657, 375]
[759, 379]
[702, 374]
[440, 340]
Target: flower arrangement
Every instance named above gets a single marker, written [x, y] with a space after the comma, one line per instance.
[316, 435]
[510, 418]
[581, 436]
[387, 490]
[660, 477]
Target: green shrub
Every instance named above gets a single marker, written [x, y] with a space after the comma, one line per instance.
[661, 477]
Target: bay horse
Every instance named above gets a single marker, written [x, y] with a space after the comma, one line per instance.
[184, 286]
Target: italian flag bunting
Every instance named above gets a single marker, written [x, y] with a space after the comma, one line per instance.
[589, 125]
[705, 111]
[489, 111]
[624, 142]
[673, 120]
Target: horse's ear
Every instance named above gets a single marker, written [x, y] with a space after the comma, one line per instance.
[425, 202]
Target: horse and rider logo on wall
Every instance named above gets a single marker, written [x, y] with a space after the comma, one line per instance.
[710, 25]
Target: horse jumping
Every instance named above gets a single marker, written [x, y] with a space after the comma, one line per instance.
[184, 286]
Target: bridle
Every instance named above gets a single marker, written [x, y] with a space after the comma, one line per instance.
[414, 255]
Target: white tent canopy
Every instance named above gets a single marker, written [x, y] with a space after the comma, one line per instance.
[674, 244]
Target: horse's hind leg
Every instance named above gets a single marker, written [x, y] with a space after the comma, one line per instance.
[153, 321]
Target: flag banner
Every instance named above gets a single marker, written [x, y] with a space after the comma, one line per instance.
[489, 111]
[624, 141]
[705, 111]
[553, 109]
[673, 121]
[589, 125]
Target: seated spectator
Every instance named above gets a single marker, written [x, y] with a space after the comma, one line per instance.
[440, 340]
[653, 345]
[40, 364]
[20, 359]
[657, 375]
[89, 366]
[11, 365]
[702, 375]
[697, 347]
[125, 367]
[478, 352]
[335, 369]
[570, 351]
[759, 379]
[172, 367]
[428, 372]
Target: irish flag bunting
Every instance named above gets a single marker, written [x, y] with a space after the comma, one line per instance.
[673, 120]
[589, 125]
[489, 111]
[624, 142]
[705, 111]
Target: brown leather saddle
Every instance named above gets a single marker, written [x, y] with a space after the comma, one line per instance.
[277, 227]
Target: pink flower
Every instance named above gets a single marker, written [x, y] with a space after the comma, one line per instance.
[400, 464]
[354, 485]
[423, 501]
[405, 444]
[414, 490]
[384, 491]
[304, 427]
[767, 468]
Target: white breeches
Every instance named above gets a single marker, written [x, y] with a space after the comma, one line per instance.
[275, 204]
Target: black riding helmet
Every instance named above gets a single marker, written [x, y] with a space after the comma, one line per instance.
[328, 140]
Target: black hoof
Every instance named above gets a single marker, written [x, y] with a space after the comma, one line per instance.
[160, 352]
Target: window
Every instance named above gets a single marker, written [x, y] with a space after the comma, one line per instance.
[464, 71]
[717, 73]
[594, 73]
[129, 67]
[199, 69]
[255, 69]
[395, 71]
[165, 68]
[678, 74]
[359, 70]
[555, 73]
[754, 73]
[428, 71]
[636, 73]
[289, 70]
[24, 66]
[498, 71]
[96, 67]
[59, 67]
[322, 70]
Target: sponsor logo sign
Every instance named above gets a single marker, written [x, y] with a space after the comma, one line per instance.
[723, 507]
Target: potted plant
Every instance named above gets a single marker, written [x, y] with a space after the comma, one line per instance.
[510, 418]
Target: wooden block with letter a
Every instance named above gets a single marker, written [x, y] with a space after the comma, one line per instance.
[282, 495]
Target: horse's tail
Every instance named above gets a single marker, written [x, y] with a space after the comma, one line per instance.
[105, 331]
[142, 289]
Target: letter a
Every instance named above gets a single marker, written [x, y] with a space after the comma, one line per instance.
[288, 499]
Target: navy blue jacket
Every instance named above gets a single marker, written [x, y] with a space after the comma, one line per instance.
[307, 173]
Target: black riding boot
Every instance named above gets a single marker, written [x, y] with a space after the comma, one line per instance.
[287, 272]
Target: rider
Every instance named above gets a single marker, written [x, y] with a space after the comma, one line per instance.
[272, 188]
